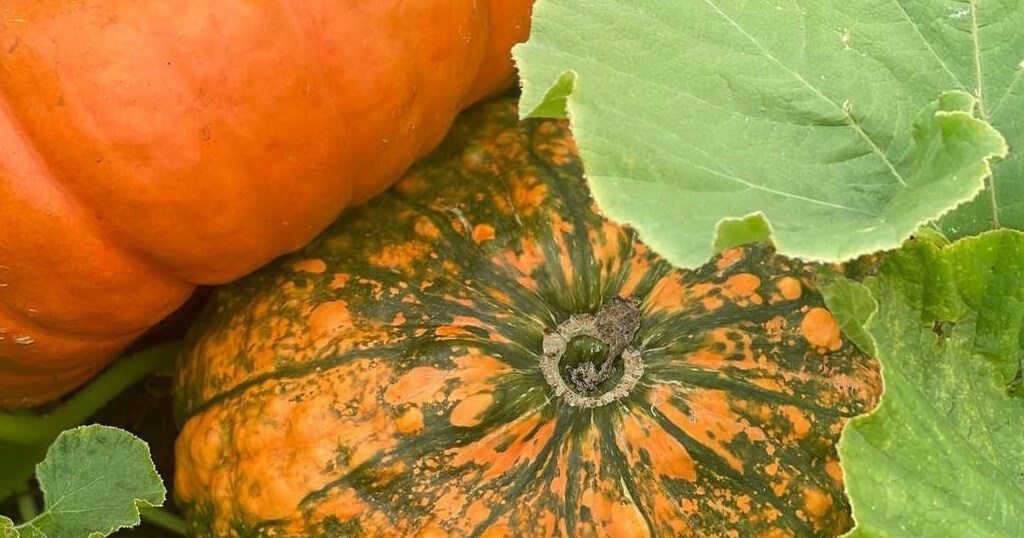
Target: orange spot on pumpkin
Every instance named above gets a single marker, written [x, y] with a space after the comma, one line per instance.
[668, 457]
[775, 533]
[474, 373]
[500, 296]
[483, 232]
[712, 302]
[821, 329]
[426, 228]
[710, 421]
[626, 521]
[420, 385]
[728, 257]
[801, 425]
[560, 229]
[530, 261]
[459, 300]
[410, 422]
[309, 266]
[834, 471]
[638, 267]
[340, 280]
[504, 449]
[705, 359]
[816, 502]
[402, 255]
[769, 383]
[498, 531]
[743, 503]
[527, 195]
[668, 295]
[449, 331]
[330, 319]
[477, 512]
[775, 328]
[344, 505]
[789, 288]
[470, 411]
[741, 288]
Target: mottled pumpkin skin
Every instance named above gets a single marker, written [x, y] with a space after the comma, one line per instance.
[385, 381]
[148, 146]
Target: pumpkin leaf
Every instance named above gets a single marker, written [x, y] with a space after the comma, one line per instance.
[942, 456]
[839, 127]
[94, 480]
[852, 305]
[7, 528]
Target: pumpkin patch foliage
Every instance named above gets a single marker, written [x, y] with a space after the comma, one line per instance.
[834, 128]
[838, 126]
[947, 437]
[721, 269]
[479, 352]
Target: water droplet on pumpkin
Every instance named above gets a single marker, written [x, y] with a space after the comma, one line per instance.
[24, 340]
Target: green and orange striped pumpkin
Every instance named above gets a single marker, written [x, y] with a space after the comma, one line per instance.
[479, 352]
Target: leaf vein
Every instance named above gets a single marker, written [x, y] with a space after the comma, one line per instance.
[841, 108]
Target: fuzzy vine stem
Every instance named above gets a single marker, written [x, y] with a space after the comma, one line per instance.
[30, 429]
[164, 519]
[27, 508]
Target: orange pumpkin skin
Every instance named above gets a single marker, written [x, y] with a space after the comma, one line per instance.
[392, 378]
[146, 147]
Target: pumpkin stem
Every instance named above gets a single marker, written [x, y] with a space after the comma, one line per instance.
[30, 429]
[607, 334]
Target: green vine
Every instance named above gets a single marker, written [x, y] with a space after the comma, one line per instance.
[165, 520]
[30, 429]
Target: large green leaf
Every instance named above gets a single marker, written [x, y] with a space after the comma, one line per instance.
[710, 122]
[943, 455]
[94, 480]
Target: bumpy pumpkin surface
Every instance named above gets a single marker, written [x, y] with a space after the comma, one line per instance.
[478, 352]
[149, 146]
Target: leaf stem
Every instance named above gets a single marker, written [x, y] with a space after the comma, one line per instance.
[27, 509]
[164, 519]
[43, 429]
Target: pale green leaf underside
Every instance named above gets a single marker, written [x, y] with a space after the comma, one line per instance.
[852, 305]
[692, 113]
[94, 480]
[943, 455]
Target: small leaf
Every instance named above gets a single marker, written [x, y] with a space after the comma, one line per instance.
[94, 480]
[925, 233]
[7, 528]
[847, 124]
[943, 455]
[735, 232]
[852, 305]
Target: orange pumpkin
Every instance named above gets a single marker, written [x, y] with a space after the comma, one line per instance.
[479, 353]
[146, 147]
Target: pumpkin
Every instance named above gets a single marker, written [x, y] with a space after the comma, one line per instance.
[146, 147]
[478, 352]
